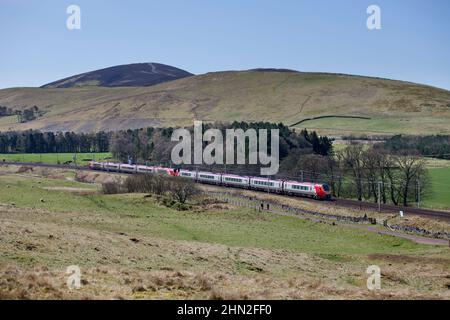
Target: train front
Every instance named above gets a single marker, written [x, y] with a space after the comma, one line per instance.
[323, 191]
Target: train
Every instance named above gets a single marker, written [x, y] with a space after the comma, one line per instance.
[318, 191]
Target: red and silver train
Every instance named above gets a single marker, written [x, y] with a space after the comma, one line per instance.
[319, 191]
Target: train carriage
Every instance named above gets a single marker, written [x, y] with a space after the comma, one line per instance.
[299, 188]
[209, 177]
[266, 184]
[111, 166]
[187, 174]
[128, 168]
[235, 181]
[307, 189]
[145, 169]
[95, 165]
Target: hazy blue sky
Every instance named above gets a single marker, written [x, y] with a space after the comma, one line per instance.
[210, 35]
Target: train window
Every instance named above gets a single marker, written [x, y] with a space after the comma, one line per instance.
[264, 183]
[326, 187]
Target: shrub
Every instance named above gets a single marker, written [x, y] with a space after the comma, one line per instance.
[178, 189]
[112, 188]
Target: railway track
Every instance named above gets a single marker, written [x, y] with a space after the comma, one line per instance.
[337, 202]
[392, 208]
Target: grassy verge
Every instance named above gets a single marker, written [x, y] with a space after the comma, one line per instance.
[55, 158]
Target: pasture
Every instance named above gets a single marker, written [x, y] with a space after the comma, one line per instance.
[55, 158]
[440, 188]
[131, 246]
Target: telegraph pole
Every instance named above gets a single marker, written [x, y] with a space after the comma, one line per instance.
[418, 193]
[379, 196]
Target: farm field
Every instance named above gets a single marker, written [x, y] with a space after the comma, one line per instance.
[440, 188]
[131, 246]
[55, 158]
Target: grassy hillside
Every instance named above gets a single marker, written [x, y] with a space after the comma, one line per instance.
[288, 97]
[129, 75]
[129, 246]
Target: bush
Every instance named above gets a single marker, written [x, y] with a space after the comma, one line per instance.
[182, 189]
[112, 188]
[179, 189]
[147, 183]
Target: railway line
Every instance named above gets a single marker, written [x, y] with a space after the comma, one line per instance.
[445, 215]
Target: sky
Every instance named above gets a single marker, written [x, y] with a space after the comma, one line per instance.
[202, 36]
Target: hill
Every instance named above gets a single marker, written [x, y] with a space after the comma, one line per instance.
[130, 75]
[326, 102]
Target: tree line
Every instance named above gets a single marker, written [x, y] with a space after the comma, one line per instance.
[146, 144]
[23, 115]
[437, 146]
[364, 173]
[34, 141]
[381, 172]
[154, 144]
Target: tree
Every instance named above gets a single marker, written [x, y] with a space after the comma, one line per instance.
[412, 171]
[182, 189]
[353, 162]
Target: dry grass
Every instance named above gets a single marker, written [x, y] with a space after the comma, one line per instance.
[35, 252]
[393, 106]
[331, 208]
[121, 259]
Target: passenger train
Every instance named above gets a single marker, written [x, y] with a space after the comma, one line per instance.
[319, 191]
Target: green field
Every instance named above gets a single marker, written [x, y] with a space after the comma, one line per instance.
[55, 158]
[440, 188]
[378, 125]
[131, 246]
[235, 228]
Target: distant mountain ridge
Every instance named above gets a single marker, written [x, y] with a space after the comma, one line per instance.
[129, 75]
[126, 97]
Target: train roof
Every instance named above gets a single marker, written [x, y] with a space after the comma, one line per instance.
[304, 183]
[265, 179]
[234, 175]
[206, 172]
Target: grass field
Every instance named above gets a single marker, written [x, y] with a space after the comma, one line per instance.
[54, 158]
[378, 125]
[132, 247]
[440, 188]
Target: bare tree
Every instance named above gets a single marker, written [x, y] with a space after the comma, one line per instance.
[370, 162]
[182, 189]
[412, 170]
[353, 162]
[121, 146]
